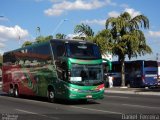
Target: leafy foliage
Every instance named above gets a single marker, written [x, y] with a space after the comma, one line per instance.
[26, 43]
[103, 40]
[84, 30]
[39, 39]
[60, 36]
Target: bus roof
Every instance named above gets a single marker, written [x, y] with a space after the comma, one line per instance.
[62, 40]
[71, 40]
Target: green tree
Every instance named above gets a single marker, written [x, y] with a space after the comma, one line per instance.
[47, 38]
[40, 39]
[84, 30]
[103, 40]
[127, 38]
[60, 36]
[27, 43]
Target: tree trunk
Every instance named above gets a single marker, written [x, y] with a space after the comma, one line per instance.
[122, 73]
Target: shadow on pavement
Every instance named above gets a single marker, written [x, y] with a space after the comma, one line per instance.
[58, 101]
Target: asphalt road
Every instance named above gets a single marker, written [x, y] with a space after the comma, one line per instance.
[112, 107]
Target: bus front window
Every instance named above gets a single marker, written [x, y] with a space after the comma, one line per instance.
[83, 51]
[86, 74]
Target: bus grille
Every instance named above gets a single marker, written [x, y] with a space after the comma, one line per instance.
[88, 91]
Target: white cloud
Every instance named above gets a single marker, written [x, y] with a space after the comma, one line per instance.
[55, 12]
[2, 45]
[71, 36]
[154, 34]
[60, 7]
[113, 14]
[95, 21]
[132, 12]
[12, 33]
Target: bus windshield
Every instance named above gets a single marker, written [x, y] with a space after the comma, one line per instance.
[86, 74]
[83, 50]
[150, 64]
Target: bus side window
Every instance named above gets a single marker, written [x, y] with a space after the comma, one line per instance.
[41, 54]
[58, 49]
[9, 58]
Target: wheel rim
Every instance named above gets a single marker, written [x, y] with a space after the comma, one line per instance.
[11, 92]
[51, 95]
[16, 92]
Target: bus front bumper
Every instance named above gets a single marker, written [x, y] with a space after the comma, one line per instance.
[78, 95]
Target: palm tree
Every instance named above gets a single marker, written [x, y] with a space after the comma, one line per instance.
[84, 30]
[128, 39]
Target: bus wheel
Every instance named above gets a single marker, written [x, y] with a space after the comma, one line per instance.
[16, 92]
[11, 91]
[51, 96]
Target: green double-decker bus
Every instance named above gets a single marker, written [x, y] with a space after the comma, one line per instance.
[65, 69]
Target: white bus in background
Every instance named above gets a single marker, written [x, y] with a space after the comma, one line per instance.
[159, 73]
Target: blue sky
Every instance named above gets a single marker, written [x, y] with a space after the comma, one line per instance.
[20, 19]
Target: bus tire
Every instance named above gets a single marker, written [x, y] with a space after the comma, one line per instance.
[51, 96]
[16, 92]
[11, 91]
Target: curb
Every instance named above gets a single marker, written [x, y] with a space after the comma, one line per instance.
[115, 91]
[133, 92]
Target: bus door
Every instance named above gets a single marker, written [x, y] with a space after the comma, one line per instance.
[61, 67]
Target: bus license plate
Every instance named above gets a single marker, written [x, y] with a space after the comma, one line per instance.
[89, 96]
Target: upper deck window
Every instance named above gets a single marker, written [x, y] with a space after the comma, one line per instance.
[83, 50]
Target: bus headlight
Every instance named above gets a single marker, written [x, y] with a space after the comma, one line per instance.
[100, 87]
[71, 88]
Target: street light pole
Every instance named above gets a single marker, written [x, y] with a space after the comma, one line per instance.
[60, 23]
